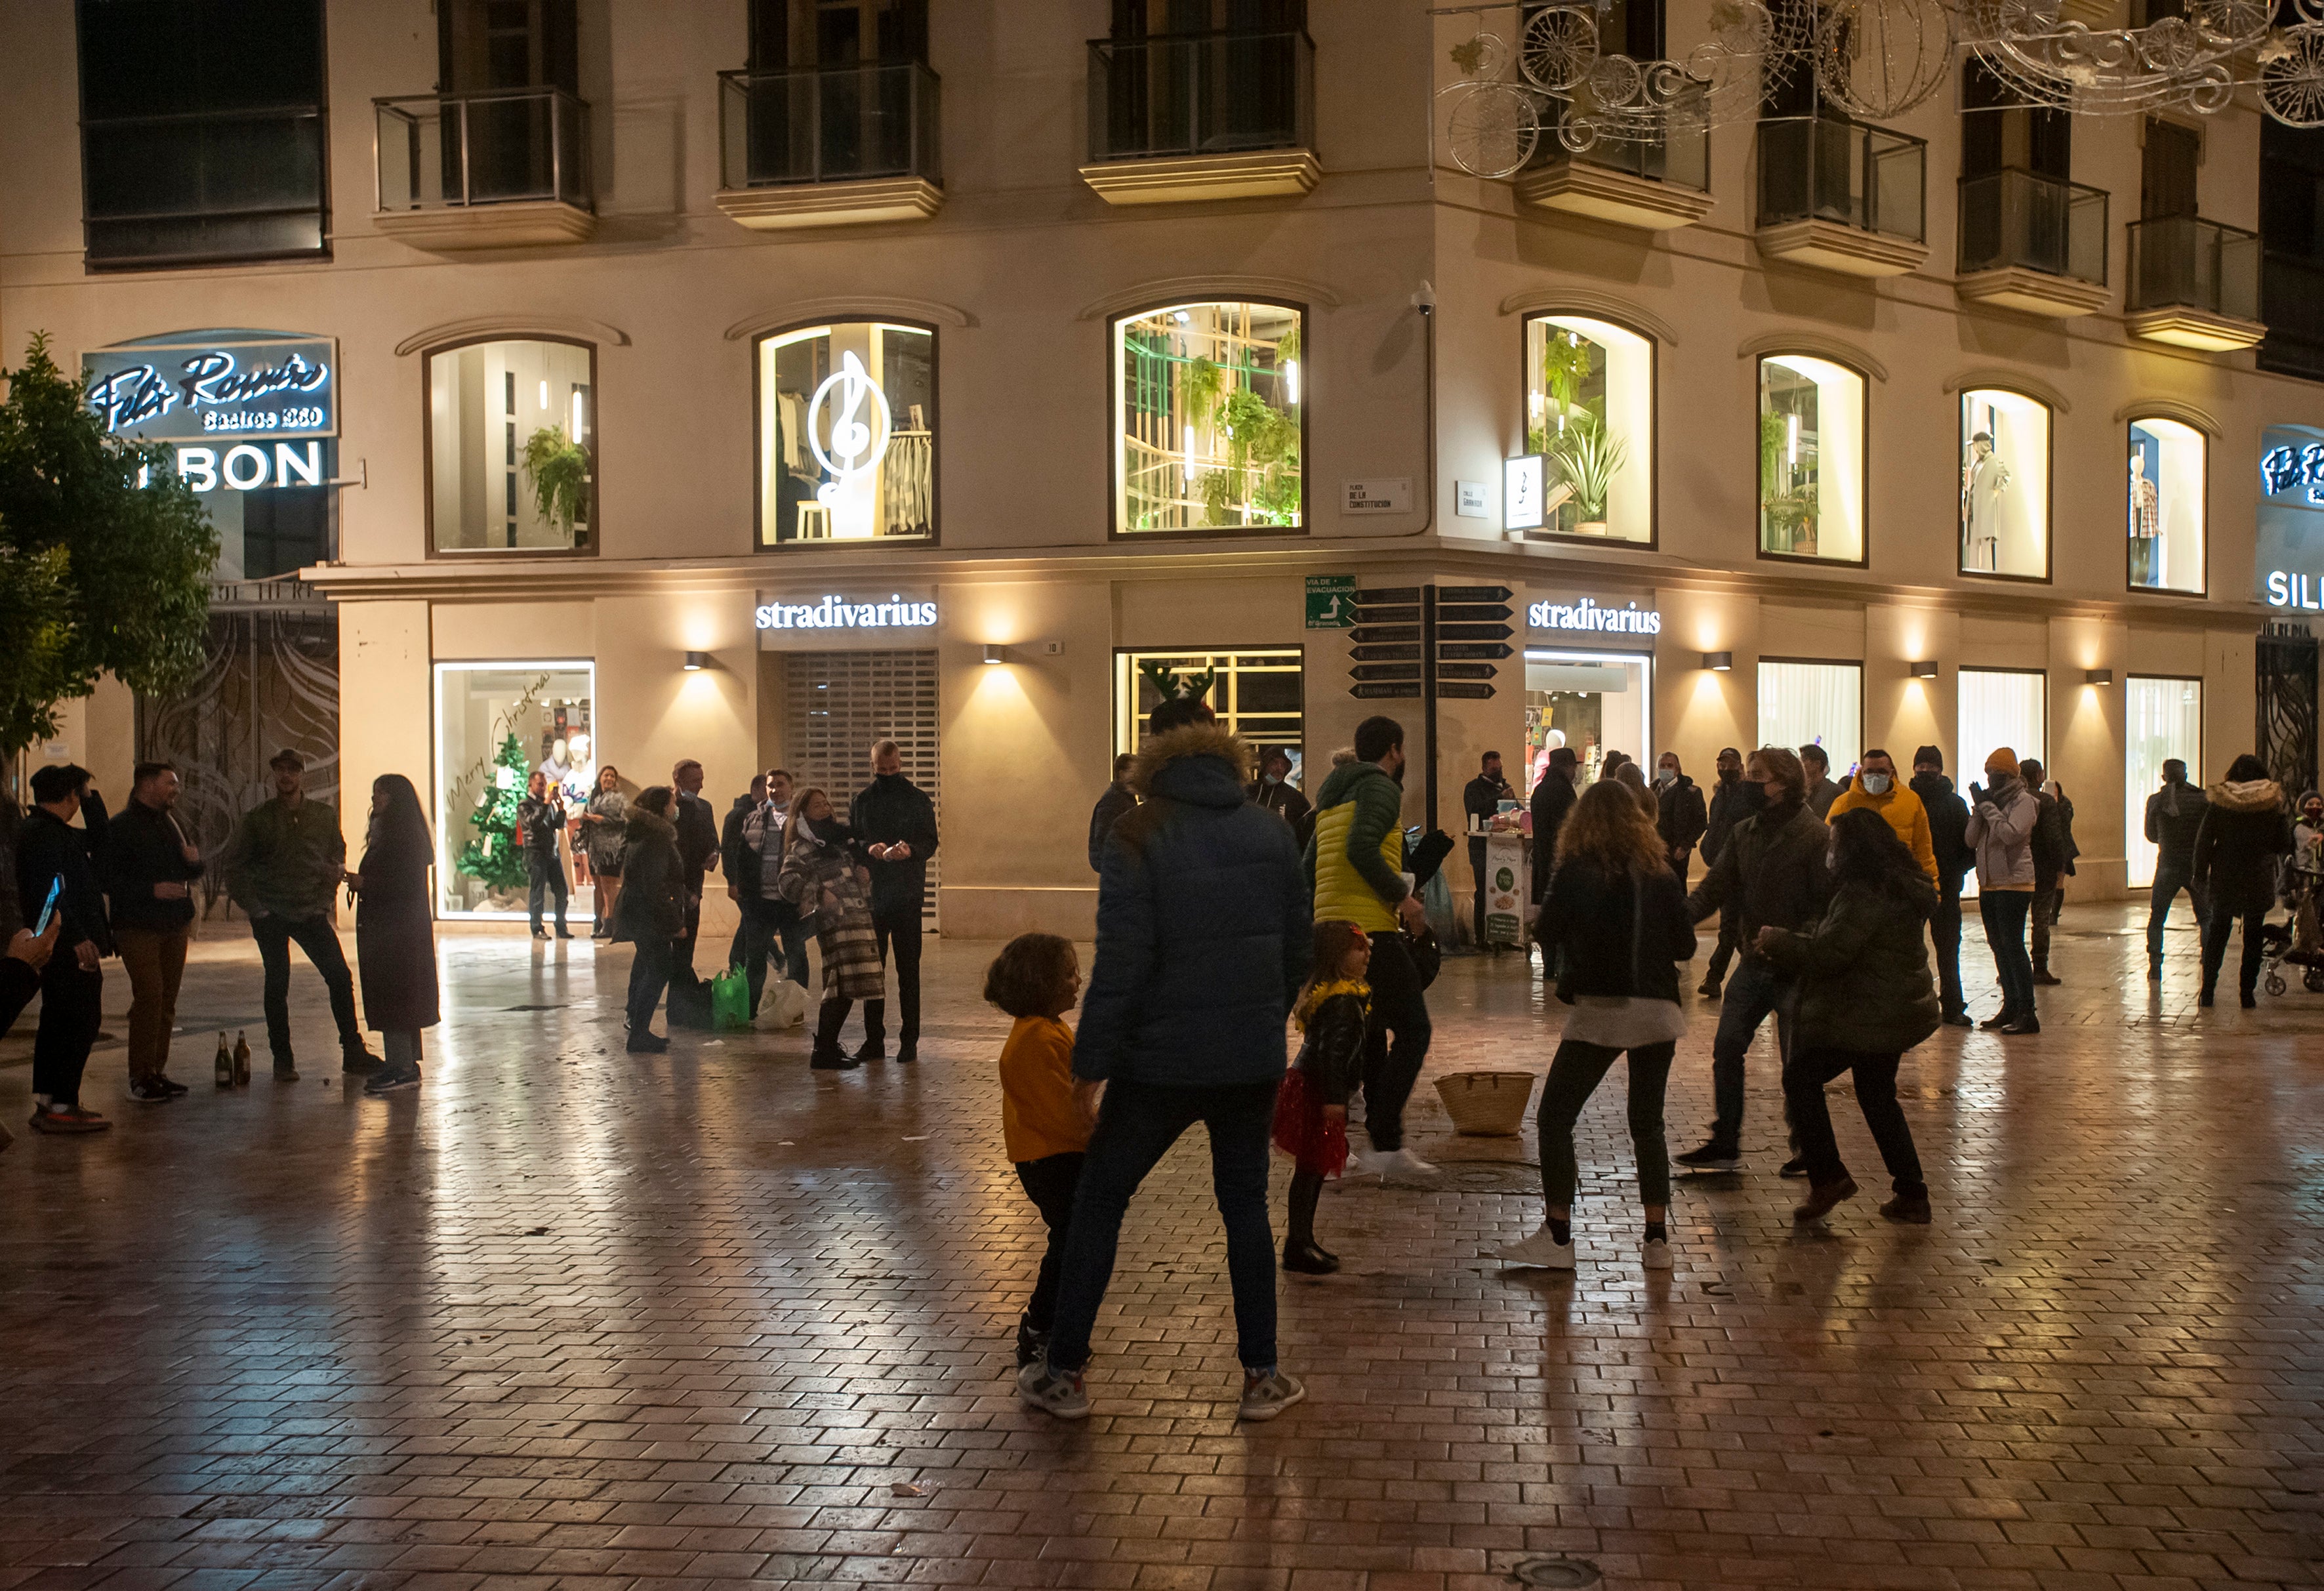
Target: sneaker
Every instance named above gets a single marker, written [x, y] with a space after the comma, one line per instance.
[1541, 1251]
[647, 1044]
[357, 1063]
[150, 1091]
[67, 1119]
[1958, 1019]
[1265, 1396]
[285, 1072]
[1401, 1162]
[1823, 1200]
[1713, 1156]
[388, 1081]
[175, 1088]
[1656, 1256]
[1031, 1345]
[1908, 1209]
[833, 1063]
[1797, 1166]
[1053, 1391]
[1708, 988]
[2024, 1024]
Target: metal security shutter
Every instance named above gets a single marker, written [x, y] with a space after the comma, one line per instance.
[835, 703]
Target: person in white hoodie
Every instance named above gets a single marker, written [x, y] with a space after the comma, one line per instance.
[2002, 813]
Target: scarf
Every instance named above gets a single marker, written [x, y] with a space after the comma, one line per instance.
[1312, 999]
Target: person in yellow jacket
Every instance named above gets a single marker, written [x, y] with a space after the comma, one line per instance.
[1875, 787]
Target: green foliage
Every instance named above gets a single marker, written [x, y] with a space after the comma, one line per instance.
[1261, 477]
[492, 854]
[1588, 457]
[1771, 435]
[558, 471]
[1201, 387]
[103, 574]
[1564, 367]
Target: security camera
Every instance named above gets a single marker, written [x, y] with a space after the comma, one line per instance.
[1424, 298]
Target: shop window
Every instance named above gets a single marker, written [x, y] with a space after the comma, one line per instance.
[2004, 485]
[1592, 702]
[512, 447]
[1814, 704]
[1590, 412]
[497, 725]
[2166, 500]
[2161, 719]
[847, 434]
[1999, 708]
[1208, 430]
[1811, 459]
[1260, 695]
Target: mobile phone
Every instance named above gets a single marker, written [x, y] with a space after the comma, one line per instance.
[49, 906]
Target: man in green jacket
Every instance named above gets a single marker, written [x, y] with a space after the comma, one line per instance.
[285, 859]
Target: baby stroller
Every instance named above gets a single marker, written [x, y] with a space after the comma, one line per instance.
[2296, 941]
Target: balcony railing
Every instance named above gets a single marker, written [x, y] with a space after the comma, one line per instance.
[2185, 261]
[1181, 95]
[504, 146]
[2021, 219]
[1815, 169]
[829, 124]
[1677, 152]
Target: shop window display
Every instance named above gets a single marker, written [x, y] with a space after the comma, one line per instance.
[1589, 408]
[1811, 459]
[1208, 429]
[2166, 493]
[497, 725]
[2004, 485]
[1591, 702]
[512, 447]
[847, 434]
[2161, 719]
[1999, 708]
[1814, 704]
[1258, 694]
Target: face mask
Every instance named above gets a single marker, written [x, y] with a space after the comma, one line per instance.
[1729, 775]
[826, 829]
[1270, 778]
[1875, 783]
[1665, 775]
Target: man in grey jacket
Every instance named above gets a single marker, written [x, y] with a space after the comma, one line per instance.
[2002, 813]
[2174, 815]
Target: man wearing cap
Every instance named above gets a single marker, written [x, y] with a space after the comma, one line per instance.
[285, 859]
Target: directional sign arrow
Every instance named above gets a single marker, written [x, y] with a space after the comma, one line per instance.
[1451, 649]
[1381, 692]
[1385, 672]
[1389, 594]
[1407, 653]
[1463, 692]
[1468, 594]
[1399, 614]
[1466, 672]
[1364, 634]
[1473, 631]
[1455, 611]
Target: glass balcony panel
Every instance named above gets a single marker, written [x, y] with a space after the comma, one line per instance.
[2187, 261]
[2021, 219]
[499, 147]
[832, 124]
[1177, 96]
[1814, 168]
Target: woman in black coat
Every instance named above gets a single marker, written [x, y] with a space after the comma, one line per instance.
[395, 931]
[2246, 825]
[652, 912]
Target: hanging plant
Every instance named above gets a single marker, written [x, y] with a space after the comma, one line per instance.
[558, 471]
[1589, 456]
[1202, 386]
[1564, 367]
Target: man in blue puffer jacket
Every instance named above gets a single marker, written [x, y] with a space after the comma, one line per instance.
[1203, 934]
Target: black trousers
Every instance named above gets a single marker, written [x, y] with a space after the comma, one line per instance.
[681, 960]
[1875, 1096]
[1944, 934]
[2039, 921]
[1477, 907]
[2169, 878]
[649, 975]
[72, 1008]
[544, 870]
[899, 931]
[1399, 1005]
[275, 935]
[1049, 1182]
[2217, 929]
[770, 928]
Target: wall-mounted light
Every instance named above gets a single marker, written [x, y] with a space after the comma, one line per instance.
[994, 652]
[2097, 677]
[695, 661]
[1927, 670]
[1719, 663]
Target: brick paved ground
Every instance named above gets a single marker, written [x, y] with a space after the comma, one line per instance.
[567, 1317]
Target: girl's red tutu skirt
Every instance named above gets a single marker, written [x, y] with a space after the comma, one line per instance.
[1301, 1131]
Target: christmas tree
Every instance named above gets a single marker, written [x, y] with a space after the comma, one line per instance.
[493, 856]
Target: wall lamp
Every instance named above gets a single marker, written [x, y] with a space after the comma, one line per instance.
[1927, 670]
[2097, 677]
[695, 661]
[994, 652]
[1719, 663]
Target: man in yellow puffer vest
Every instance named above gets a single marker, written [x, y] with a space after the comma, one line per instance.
[1355, 862]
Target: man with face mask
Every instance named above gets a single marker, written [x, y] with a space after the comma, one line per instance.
[1734, 800]
[1481, 800]
[1680, 816]
[896, 823]
[1948, 822]
[1875, 787]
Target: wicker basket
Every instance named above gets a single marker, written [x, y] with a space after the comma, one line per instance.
[1486, 1104]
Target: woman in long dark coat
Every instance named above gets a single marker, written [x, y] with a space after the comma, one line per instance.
[395, 931]
[652, 915]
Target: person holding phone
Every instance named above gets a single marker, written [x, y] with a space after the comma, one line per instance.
[52, 854]
[149, 864]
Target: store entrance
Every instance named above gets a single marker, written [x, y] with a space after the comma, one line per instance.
[837, 704]
[1591, 702]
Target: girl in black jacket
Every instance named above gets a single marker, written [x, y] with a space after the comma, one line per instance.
[1311, 1113]
[2246, 828]
[1617, 918]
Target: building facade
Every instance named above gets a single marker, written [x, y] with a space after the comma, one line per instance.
[742, 381]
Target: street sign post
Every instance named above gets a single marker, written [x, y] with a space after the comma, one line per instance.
[1449, 690]
[1376, 692]
[1409, 652]
[1385, 672]
[1365, 635]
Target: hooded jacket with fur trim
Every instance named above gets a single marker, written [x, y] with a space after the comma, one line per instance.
[2245, 827]
[1204, 929]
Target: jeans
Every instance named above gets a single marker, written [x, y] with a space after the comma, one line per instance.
[1945, 936]
[1136, 1127]
[770, 926]
[545, 870]
[681, 953]
[2004, 914]
[1390, 1070]
[900, 931]
[1049, 1182]
[648, 976]
[1875, 1096]
[1574, 1073]
[72, 1011]
[2169, 878]
[155, 960]
[1730, 937]
[2043, 913]
[275, 935]
[1758, 989]
[2217, 928]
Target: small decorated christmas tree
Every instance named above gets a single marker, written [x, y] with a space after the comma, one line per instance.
[491, 855]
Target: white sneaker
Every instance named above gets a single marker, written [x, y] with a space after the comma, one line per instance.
[1401, 1162]
[1658, 1255]
[1540, 1250]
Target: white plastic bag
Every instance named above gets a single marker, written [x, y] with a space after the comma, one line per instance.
[783, 1005]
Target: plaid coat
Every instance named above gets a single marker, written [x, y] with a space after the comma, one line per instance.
[821, 878]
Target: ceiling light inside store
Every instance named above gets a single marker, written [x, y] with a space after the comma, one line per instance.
[1291, 378]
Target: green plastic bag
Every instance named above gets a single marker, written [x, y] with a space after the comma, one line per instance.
[730, 1001]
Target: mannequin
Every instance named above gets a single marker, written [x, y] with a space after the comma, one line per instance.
[1984, 479]
[2145, 523]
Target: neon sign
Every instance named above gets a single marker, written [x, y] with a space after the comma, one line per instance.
[207, 384]
[1588, 615]
[837, 612]
[850, 409]
[2285, 469]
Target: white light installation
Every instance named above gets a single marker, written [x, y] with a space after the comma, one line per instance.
[851, 410]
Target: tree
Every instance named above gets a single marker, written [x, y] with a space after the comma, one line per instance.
[107, 555]
[491, 854]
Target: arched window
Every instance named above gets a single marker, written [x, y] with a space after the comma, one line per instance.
[512, 445]
[2167, 487]
[846, 433]
[1811, 485]
[1590, 412]
[1209, 432]
[2004, 485]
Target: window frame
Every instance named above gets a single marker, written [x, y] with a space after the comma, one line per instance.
[2196, 765]
[2130, 585]
[427, 451]
[935, 538]
[1115, 658]
[1113, 433]
[1759, 730]
[1863, 559]
[2048, 488]
[1526, 318]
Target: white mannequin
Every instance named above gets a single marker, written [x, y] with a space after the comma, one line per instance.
[2145, 523]
[1984, 479]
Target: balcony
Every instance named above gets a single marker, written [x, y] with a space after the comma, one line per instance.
[504, 168]
[1654, 184]
[837, 146]
[1842, 196]
[195, 188]
[2194, 283]
[1185, 118]
[2033, 244]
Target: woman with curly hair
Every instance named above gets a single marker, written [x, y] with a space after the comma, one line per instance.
[1036, 979]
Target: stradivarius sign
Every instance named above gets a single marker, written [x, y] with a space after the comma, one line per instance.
[1587, 617]
[843, 612]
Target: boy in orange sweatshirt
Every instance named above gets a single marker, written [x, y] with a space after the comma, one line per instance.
[1036, 978]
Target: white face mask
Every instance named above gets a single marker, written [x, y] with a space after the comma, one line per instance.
[1875, 783]
[1665, 775]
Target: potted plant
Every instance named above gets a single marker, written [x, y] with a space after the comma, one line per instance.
[1588, 456]
[556, 468]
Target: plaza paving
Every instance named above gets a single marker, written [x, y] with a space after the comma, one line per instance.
[570, 1317]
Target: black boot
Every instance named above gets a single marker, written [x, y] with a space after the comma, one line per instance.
[1300, 1252]
[875, 1032]
[828, 1057]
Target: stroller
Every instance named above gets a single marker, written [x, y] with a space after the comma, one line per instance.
[2296, 942]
